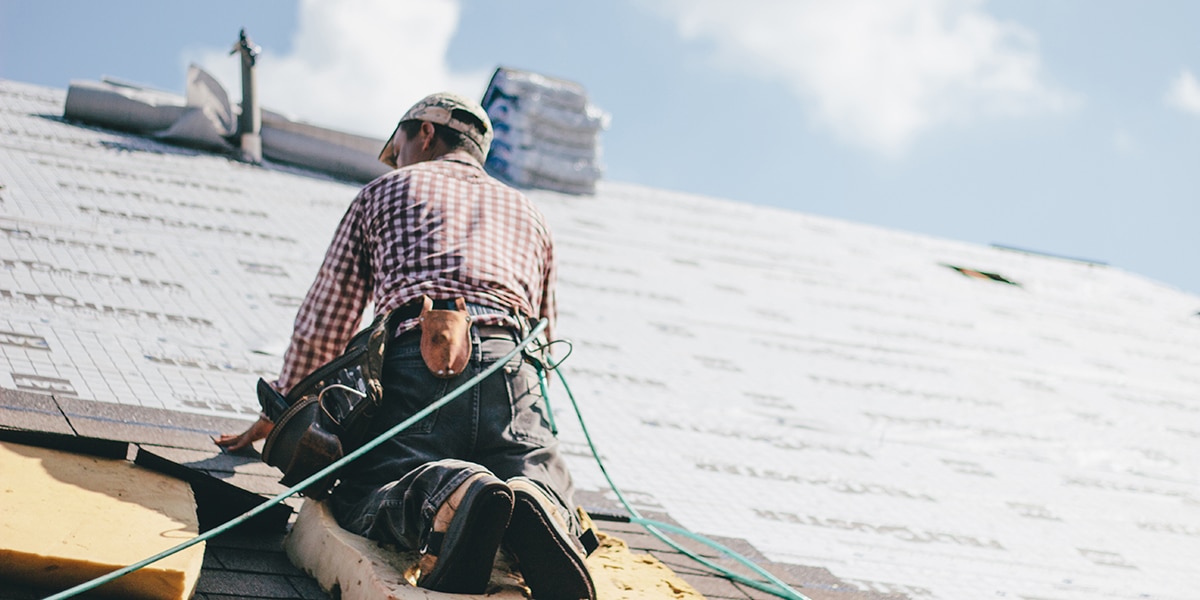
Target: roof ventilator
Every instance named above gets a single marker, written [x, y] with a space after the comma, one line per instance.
[249, 132]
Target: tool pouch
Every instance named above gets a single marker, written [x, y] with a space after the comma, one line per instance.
[328, 412]
[301, 444]
[445, 337]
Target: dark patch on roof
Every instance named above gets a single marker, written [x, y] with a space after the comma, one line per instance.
[67, 443]
[977, 274]
[217, 501]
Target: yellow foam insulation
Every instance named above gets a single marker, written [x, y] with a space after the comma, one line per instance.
[67, 518]
[361, 569]
[621, 574]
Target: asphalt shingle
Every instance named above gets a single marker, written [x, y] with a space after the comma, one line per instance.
[26, 410]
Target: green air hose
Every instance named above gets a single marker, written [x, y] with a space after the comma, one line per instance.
[776, 586]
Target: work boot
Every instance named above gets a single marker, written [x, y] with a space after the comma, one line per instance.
[549, 556]
[467, 531]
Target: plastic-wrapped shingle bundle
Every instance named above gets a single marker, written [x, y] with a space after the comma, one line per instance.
[547, 133]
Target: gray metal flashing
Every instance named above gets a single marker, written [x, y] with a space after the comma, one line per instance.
[206, 119]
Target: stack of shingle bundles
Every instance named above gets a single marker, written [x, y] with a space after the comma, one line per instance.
[547, 133]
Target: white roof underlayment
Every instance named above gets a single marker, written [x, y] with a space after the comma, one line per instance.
[831, 392]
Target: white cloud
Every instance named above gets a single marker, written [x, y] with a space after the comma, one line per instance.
[356, 65]
[879, 73]
[1184, 93]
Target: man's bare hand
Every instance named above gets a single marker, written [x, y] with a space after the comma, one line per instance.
[235, 442]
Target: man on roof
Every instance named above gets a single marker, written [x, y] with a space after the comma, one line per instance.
[485, 469]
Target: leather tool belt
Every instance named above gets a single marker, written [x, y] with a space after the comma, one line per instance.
[327, 414]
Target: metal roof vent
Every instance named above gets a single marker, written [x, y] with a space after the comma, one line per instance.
[249, 131]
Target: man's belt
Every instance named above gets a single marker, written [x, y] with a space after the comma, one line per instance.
[412, 309]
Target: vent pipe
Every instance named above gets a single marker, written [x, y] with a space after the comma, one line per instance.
[249, 130]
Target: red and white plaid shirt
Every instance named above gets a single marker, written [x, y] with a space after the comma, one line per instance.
[441, 228]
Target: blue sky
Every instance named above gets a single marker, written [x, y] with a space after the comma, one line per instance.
[1070, 127]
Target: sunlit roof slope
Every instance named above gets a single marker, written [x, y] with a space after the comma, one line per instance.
[917, 416]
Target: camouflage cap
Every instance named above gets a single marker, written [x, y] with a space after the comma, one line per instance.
[439, 109]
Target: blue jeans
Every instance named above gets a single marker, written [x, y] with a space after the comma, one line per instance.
[393, 492]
